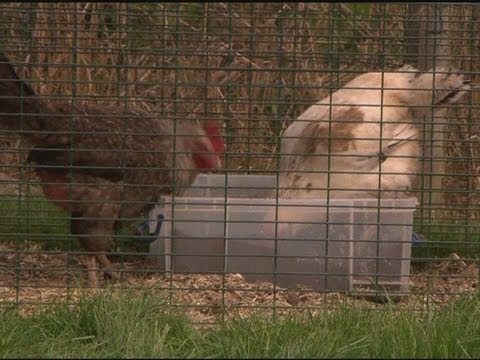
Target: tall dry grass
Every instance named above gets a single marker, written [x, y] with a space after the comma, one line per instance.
[251, 66]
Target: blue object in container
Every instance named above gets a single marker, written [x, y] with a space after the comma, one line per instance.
[143, 233]
[417, 239]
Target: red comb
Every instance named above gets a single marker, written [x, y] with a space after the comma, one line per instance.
[215, 137]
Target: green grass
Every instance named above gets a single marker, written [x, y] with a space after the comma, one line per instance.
[33, 218]
[126, 326]
[37, 219]
[444, 239]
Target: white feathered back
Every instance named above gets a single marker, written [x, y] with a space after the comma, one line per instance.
[363, 139]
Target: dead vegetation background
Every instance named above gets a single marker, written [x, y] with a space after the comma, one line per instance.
[254, 67]
[251, 66]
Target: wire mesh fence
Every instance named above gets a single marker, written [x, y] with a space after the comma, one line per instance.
[240, 156]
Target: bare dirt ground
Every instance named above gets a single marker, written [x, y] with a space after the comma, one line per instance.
[36, 278]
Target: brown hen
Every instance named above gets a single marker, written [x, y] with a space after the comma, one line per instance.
[102, 164]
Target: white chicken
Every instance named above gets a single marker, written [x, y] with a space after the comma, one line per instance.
[363, 140]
